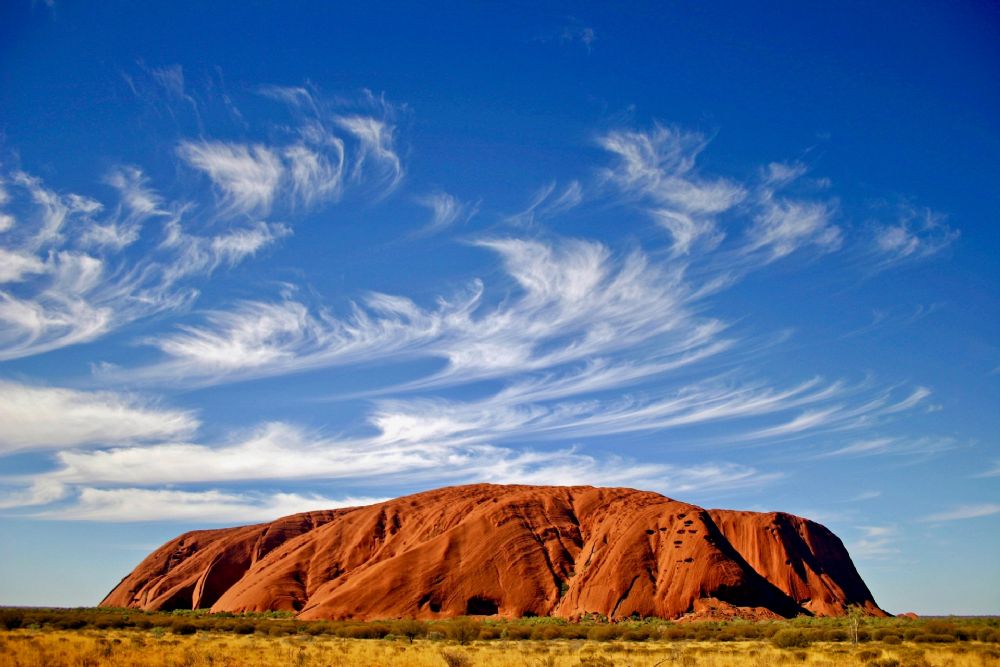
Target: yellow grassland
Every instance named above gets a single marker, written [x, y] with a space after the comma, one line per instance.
[93, 648]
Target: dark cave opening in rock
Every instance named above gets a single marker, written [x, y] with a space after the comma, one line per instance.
[481, 606]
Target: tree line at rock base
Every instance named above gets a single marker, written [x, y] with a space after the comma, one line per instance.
[792, 633]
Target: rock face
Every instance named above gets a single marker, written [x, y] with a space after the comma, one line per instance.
[509, 550]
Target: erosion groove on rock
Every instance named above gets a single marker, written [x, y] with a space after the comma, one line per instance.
[509, 550]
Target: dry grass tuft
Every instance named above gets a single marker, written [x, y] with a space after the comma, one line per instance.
[134, 648]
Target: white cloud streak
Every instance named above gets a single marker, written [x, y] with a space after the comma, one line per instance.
[446, 211]
[246, 177]
[918, 234]
[574, 300]
[963, 512]
[280, 451]
[73, 282]
[211, 506]
[657, 169]
[549, 202]
[991, 472]
[65, 275]
[15, 266]
[876, 543]
[54, 418]
[375, 151]
[311, 169]
[785, 226]
[449, 441]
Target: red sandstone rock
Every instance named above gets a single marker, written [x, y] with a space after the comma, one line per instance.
[509, 550]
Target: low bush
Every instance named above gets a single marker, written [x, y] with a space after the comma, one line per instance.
[789, 638]
[546, 632]
[463, 630]
[244, 628]
[409, 628]
[516, 632]
[604, 633]
[366, 631]
[11, 619]
[934, 638]
[183, 628]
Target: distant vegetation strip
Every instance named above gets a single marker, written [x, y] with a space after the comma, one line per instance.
[792, 633]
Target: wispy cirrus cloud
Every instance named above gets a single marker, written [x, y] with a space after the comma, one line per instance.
[37, 417]
[137, 204]
[574, 299]
[423, 440]
[247, 177]
[375, 149]
[70, 271]
[15, 265]
[877, 542]
[576, 31]
[538, 411]
[548, 202]
[783, 226]
[74, 283]
[894, 446]
[917, 234]
[993, 471]
[210, 506]
[119, 484]
[963, 512]
[446, 210]
[657, 168]
[128, 504]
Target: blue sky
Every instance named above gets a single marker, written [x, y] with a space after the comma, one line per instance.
[262, 259]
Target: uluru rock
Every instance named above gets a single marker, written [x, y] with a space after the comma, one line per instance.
[508, 550]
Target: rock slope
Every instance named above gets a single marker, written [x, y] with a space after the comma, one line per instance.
[509, 550]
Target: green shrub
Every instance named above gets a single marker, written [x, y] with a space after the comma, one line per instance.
[366, 631]
[640, 634]
[789, 638]
[463, 630]
[604, 633]
[937, 627]
[183, 628]
[835, 635]
[72, 623]
[11, 619]
[546, 632]
[409, 628]
[673, 633]
[517, 632]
